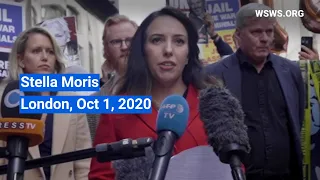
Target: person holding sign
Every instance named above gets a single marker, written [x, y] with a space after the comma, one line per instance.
[35, 51]
[223, 48]
[163, 60]
[204, 23]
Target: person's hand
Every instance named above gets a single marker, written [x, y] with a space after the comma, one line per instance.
[308, 54]
[208, 21]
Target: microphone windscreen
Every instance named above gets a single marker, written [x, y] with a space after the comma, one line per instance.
[10, 102]
[223, 118]
[173, 115]
[135, 168]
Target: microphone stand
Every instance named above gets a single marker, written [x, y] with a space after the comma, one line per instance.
[103, 152]
[236, 170]
[16, 157]
[233, 154]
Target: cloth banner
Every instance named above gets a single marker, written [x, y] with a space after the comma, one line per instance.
[310, 134]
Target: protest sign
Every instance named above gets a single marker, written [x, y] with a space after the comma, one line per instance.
[223, 13]
[3, 64]
[12, 23]
[224, 16]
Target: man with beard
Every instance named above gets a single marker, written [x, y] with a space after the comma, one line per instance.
[117, 35]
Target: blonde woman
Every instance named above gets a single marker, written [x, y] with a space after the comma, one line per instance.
[36, 52]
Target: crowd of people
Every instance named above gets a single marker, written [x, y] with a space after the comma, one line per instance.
[160, 57]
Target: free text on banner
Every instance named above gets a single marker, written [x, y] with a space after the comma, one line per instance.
[11, 24]
[4, 64]
[224, 15]
[86, 104]
[59, 82]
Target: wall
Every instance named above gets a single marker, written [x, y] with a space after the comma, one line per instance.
[89, 31]
[137, 10]
[89, 28]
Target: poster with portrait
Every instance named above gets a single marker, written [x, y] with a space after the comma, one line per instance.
[12, 23]
[195, 10]
[64, 31]
[223, 13]
[310, 133]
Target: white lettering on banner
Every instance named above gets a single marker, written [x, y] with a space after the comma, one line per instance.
[4, 16]
[219, 8]
[7, 38]
[3, 64]
[3, 73]
[180, 4]
[224, 24]
[7, 28]
[229, 16]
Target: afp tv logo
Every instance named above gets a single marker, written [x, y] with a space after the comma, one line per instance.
[171, 110]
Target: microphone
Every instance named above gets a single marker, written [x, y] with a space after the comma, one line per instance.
[124, 146]
[107, 150]
[223, 120]
[10, 101]
[20, 131]
[136, 168]
[171, 123]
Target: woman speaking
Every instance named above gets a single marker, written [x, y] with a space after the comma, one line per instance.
[163, 60]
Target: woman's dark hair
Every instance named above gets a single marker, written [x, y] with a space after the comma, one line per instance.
[138, 78]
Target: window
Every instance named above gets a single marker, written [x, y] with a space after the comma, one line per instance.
[81, 54]
[52, 11]
[91, 58]
[33, 16]
[71, 11]
[115, 3]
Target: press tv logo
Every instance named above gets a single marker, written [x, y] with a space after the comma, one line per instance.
[17, 125]
[279, 13]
